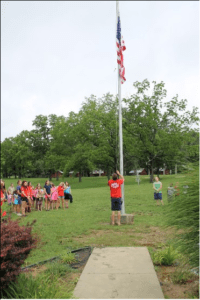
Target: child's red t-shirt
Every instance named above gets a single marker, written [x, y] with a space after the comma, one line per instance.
[2, 195]
[60, 190]
[30, 190]
[115, 188]
[25, 190]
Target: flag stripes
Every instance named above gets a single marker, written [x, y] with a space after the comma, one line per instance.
[120, 48]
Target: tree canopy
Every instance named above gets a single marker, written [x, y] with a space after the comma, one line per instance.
[157, 133]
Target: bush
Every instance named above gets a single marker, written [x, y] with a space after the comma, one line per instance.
[40, 287]
[16, 244]
[165, 257]
[183, 213]
[68, 258]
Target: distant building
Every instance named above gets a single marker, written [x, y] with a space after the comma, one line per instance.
[164, 171]
[57, 174]
[141, 171]
[98, 173]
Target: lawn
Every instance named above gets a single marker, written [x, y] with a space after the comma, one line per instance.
[87, 221]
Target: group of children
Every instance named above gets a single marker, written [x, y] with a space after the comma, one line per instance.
[172, 191]
[26, 197]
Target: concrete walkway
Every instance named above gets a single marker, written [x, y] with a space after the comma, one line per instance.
[119, 273]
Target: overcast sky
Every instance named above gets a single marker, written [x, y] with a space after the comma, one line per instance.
[56, 53]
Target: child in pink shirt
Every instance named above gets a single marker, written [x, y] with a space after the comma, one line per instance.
[54, 195]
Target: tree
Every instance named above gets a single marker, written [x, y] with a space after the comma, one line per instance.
[7, 156]
[156, 128]
[99, 127]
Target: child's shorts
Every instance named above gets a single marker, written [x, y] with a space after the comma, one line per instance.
[157, 196]
[116, 204]
[16, 202]
[68, 197]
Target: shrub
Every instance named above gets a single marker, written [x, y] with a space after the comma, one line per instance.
[165, 257]
[16, 244]
[183, 212]
[40, 287]
[68, 258]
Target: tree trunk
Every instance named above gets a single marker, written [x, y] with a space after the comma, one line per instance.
[157, 171]
[108, 173]
[175, 169]
[151, 175]
[79, 176]
[50, 176]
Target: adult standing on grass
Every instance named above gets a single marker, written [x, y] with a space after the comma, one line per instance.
[116, 195]
[47, 192]
[157, 186]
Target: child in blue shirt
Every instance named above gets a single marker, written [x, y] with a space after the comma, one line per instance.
[67, 194]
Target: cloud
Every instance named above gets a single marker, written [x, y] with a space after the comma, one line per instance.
[56, 53]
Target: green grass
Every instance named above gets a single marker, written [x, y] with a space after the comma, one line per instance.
[50, 284]
[90, 211]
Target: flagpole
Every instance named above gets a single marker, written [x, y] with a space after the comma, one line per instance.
[120, 126]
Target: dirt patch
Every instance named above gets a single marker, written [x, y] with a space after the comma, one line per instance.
[154, 237]
[82, 257]
[177, 291]
[150, 236]
[36, 270]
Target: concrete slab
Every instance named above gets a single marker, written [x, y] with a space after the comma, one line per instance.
[125, 219]
[119, 273]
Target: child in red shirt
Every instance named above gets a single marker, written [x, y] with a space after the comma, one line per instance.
[116, 194]
[24, 196]
[60, 190]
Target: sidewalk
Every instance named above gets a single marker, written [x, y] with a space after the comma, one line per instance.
[119, 273]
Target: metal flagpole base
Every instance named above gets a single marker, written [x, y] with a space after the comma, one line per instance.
[125, 219]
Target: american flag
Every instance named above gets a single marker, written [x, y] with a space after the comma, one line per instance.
[120, 48]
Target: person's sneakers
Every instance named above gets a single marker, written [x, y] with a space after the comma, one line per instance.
[19, 214]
